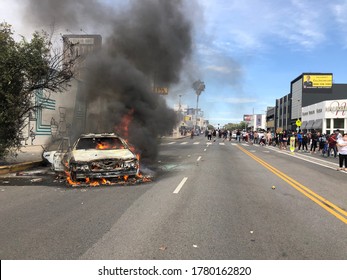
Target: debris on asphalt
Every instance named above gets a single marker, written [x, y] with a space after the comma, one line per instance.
[35, 180]
[273, 187]
[163, 248]
[195, 246]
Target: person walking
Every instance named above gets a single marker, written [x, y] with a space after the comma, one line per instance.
[209, 135]
[304, 143]
[314, 139]
[342, 144]
[321, 141]
[299, 137]
[284, 141]
[238, 135]
[332, 144]
[214, 134]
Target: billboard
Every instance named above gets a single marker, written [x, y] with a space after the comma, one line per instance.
[317, 83]
[247, 118]
[259, 120]
[161, 90]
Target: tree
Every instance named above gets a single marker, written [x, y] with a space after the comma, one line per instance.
[25, 68]
[234, 126]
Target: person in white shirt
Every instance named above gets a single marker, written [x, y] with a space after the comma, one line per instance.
[342, 144]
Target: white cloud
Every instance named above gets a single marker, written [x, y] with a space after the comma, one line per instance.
[238, 26]
[234, 100]
[240, 100]
[220, 69]
[340, 14]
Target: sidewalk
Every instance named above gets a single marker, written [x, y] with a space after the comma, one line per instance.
[27, 157]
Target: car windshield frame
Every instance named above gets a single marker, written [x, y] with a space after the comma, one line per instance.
[100, 143]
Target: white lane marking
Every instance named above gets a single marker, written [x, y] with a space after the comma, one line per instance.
[198, 158]
[208, 144]
[196, 143]
[179, 187]
[233, 144]
[171, 143]
[306, 158]
[222, 144]
[183, 143]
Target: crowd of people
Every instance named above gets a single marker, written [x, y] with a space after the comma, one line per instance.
[328, 145]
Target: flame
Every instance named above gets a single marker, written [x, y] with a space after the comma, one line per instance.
[94, 184]
[103, 181]
[123, 126]
[103, 146]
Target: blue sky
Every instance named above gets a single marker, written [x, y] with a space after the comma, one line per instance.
[247, 52]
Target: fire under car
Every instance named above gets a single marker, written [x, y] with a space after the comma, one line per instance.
[100, 156]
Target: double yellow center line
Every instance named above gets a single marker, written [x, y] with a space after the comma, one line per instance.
[321, 201]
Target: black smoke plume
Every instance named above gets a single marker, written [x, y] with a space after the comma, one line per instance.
[147, 45]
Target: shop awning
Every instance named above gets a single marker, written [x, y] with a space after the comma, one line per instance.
[310, 124]
[303, 125]
[318, 124]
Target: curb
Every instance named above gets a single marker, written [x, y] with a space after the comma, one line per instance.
[19, 167]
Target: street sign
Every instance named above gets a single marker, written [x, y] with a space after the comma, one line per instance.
[298, 122]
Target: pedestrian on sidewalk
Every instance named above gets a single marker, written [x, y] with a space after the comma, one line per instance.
[342, 144]
[332, 144]
[299, 137]
[314, 139]
[304, 143]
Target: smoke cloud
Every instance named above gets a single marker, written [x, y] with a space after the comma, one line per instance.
[147, 45]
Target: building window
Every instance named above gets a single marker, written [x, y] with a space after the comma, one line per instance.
[328, 123]
[339, 123]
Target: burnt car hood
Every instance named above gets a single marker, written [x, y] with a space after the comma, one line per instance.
[91, 155]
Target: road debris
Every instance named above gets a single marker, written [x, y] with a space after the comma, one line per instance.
[35, 180]
[162, 248]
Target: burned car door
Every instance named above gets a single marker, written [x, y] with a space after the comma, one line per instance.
[57, 164]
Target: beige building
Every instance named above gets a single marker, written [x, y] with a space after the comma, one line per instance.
[63, 112]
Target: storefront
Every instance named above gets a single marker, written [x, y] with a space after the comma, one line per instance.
[325, 116]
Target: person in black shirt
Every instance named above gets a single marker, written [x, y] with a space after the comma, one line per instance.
[308, 83]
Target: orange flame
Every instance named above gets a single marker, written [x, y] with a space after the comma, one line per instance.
[123, 127]
[103, 146]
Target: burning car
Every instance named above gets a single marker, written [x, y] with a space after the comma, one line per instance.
[100, 156]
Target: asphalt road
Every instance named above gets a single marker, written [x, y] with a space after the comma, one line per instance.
[207, 200]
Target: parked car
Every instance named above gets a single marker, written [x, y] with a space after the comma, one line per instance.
[97, 156]
[54, 153]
